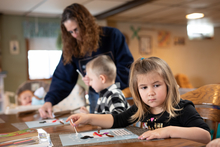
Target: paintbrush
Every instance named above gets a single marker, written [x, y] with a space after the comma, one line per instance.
[74, 127]
[79, 73]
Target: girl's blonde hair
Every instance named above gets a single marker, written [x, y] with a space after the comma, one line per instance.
[145, 66]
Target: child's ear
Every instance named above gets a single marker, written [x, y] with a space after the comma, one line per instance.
[103, 78]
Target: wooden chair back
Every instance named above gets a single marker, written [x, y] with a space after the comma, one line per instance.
[183, 81]
[128, 96]
[204, 98]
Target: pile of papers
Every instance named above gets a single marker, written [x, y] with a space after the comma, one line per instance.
[27, 137]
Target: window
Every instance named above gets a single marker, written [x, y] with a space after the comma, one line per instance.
[42, 57]
[198, 29]
[42, 63]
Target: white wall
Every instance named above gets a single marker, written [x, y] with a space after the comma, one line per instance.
[198, 59]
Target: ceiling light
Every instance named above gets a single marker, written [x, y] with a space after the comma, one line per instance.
[194, 15]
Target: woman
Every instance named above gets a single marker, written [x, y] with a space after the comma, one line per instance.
[84, 40]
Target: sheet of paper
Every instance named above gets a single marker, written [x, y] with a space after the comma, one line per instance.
[49, 122]
[119, 134]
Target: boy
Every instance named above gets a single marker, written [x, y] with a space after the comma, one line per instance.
[102, 73]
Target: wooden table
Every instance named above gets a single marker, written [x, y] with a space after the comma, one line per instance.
[7, 127]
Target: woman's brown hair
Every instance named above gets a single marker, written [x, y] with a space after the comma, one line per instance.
[89, 32]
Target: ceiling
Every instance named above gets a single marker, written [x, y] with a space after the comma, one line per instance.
[140, 11]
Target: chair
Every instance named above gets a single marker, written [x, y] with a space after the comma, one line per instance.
[74, 100]
[15, 108]
[204, 98]
[183, 81]
[128, 96]
[31, 85]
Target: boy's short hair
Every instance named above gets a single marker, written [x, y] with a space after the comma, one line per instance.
[103, 65]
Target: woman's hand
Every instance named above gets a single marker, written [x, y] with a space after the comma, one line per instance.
[46, 110]
[86, 80]
[153, 134]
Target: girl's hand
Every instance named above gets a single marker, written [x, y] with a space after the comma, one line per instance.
[214, 143]
[86, 80]
[78, 119]
[158, 133]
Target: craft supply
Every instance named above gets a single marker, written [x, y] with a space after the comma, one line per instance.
[86, 137]
[18, 142]
[24, 141]
[42, 135]
[72, 139]
[61, 122]
[42, 122]
[27, 133]
[53, 115]
[109, 135]
[74, 126]
[121, 132]
[98, 134]
[79, 73]
[75, 130]
[54, 120]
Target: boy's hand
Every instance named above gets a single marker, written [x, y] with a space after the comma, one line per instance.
[86, 80]
[84, 110]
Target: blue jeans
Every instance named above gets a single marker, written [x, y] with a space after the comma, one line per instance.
[93, 97]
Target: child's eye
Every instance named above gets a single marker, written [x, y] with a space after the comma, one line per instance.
[145, 87]
[157, 85]
[70, 32]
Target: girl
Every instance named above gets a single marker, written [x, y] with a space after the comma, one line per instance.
[157, 105]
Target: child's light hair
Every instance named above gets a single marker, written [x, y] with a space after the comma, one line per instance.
[103, 65]
[145, 66]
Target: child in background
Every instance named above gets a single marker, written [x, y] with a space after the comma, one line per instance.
[27, 97]
[157, 105]
[102, 73]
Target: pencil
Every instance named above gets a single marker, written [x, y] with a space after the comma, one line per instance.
[23, 141]
[17, 142]
[74, 127]
[79, 73]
